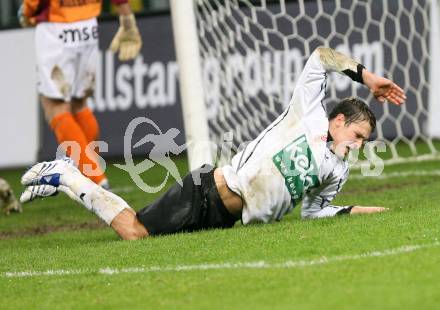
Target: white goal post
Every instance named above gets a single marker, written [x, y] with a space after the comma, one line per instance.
[191, 84]
[238, 61]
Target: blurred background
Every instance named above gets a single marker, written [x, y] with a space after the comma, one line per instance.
[9, 8]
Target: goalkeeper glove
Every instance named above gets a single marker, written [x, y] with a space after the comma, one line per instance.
[127, 40]
[24, 20]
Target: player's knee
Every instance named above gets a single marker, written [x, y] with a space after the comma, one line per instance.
[78, 104]
[132, 236]
[128, 227]
[53, 108]
[134, 233]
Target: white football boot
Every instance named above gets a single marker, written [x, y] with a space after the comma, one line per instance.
[48, 179]
[50, 173]
[41, 191]
[38, 191]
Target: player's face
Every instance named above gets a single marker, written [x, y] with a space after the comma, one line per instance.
[348, 137]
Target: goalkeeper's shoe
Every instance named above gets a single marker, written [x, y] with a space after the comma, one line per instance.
[48, 173]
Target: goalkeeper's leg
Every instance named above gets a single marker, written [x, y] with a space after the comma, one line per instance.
[85, 119]
[90, 127]
[66, 128]
[109, 207]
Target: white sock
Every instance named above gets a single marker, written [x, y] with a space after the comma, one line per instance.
[103, 203]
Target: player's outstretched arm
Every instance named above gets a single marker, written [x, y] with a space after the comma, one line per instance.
[383, 89]
[310, 86]
[331, 210]
[317, 203]
[367, 210]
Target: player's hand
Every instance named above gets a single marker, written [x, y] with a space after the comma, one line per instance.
[367, 210]
[25, 21]
[383, 89]
[127, 40]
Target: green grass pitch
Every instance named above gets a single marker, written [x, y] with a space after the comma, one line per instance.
[382, 261]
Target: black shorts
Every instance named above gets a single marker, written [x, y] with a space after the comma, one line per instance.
[188, 208]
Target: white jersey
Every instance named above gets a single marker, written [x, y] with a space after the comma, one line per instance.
[289, 161]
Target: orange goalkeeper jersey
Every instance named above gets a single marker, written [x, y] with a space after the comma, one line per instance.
[63, 11]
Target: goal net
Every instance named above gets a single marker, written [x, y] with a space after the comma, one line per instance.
[252, 52]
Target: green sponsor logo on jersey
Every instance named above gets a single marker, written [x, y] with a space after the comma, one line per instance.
[298, 167]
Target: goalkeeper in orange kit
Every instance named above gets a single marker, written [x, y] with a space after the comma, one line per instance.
[66, 41]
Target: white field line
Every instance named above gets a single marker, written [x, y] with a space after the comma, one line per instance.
[221, 266]
[129, 188]
[397, 175]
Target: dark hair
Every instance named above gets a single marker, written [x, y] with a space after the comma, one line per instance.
[354, 110]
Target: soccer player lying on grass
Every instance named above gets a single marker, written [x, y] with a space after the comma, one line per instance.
[290, 160]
